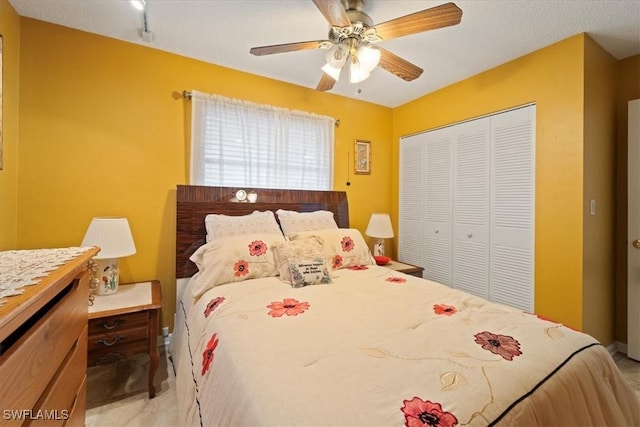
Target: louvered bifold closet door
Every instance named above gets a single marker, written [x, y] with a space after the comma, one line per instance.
[438, 187]
[512, 208]
[411, 214]
[471, 207]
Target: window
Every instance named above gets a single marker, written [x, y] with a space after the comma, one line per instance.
[242, 144]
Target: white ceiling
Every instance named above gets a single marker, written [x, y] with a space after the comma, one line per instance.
[221, 32]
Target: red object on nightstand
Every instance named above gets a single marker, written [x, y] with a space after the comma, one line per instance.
[382, 259]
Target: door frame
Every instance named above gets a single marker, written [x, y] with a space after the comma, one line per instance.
[633, 231]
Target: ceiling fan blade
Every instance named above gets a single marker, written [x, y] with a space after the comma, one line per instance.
[287, 47]
[326, 82]
[441, 16]
[398, 66]
[333, 12]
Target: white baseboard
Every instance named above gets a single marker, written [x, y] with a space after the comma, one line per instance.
[617, 346]
[163, 341]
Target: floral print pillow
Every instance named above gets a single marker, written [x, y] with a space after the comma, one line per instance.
[234, 259]
[343, 247]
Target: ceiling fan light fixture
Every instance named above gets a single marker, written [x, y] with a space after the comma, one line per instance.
[337, 56]
[369, 58]
[352, 36]
[357, 73]
[332, 71]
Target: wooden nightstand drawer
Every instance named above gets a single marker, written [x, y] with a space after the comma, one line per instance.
[108, 354]
[117, 339]
[118, 323]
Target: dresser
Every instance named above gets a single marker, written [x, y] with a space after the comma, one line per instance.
[43, 338]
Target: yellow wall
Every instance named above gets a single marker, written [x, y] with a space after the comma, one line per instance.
[103, 131]
[628, 88]
[10, 31]
[599, 184]
[552, 78]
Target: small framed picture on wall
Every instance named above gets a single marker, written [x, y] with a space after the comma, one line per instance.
[363, 157]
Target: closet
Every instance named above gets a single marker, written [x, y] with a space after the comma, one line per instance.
[466, 205]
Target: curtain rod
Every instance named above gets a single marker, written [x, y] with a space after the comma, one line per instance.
[187, 95]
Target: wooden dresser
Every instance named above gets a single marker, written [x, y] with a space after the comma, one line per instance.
[43, 348]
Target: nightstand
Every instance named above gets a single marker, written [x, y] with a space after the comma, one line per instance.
[124, 324]
[413, 270]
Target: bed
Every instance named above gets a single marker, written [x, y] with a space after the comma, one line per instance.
[372, 347]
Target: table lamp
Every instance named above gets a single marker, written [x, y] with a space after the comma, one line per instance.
[113, 236]
[379, 228]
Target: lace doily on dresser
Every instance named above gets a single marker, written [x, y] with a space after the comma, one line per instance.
[27, 267]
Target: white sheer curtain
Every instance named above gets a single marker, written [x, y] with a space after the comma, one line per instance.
[242, 144]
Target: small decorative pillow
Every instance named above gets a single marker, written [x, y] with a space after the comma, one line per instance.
[294, 255]
[234, 259]
[221, 226]
[309, 272]
[294, 222]
[344, 247]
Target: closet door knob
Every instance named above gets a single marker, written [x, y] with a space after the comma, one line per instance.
[469, 235]
[636, 243]
[436, 231]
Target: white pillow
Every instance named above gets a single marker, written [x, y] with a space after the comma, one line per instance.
[234, 259]
[344, 247]
[221, 226]
[293, 222]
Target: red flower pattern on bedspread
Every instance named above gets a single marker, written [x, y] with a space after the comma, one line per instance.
[347, 244]
[502, 345]
[419, 413]
[212, 305]
[241, 268]
[447, 310]
[257, 248]
[358, 267]
[207, 355]
[289, 306]
[336, 262]
[396, 279]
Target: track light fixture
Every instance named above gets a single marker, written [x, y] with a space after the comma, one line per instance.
[144, 32]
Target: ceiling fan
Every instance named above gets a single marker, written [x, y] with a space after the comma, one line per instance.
[352, 39]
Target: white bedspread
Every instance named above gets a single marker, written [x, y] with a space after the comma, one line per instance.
[377, 347]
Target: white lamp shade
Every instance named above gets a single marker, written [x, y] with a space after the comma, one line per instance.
[357, 73]
[336, 56]
[112, 235]
[369, 58]
[380, 226]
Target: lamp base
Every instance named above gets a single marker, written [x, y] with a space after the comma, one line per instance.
[378, 247]
[107, 275]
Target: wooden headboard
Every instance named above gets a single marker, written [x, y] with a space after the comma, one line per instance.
[194, 202]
